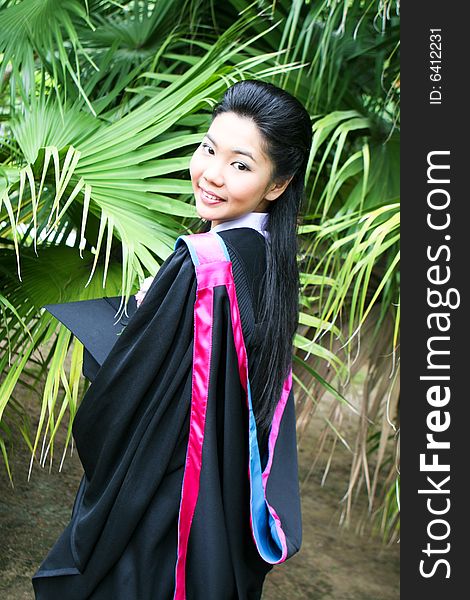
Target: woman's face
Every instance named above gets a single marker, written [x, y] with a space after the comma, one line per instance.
[230, 165]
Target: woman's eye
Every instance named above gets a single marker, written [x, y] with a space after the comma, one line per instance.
[245, 168]
[206, 146]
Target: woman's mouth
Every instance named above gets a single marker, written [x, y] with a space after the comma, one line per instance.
[209, 198]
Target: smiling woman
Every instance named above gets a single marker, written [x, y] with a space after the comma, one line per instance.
[187, 434]
[225, 187]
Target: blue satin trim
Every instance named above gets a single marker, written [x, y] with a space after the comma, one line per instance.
[264, 525]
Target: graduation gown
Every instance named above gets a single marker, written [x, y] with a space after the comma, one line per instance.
[180, 497]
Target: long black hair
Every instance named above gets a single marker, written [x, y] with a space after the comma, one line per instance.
[286, 132]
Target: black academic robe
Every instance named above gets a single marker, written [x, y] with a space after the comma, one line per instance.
[131, 434]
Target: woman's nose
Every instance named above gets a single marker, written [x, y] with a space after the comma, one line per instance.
[213, 174]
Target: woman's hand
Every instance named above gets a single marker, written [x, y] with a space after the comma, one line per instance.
[143, 290]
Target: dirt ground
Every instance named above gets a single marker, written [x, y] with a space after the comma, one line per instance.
[333, 563]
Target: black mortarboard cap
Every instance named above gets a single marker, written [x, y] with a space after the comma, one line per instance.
[94, 323]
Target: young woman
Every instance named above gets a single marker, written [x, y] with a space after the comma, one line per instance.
[187, 433]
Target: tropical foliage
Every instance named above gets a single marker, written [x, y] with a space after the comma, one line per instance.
[102, 104]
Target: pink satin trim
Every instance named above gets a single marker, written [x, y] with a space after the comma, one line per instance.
[214, 269]
[208, 275]
[208, 248]
[275, 426]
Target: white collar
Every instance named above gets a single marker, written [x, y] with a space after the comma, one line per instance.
[254, 220]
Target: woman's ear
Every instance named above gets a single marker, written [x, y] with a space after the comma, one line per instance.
[277, 189]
